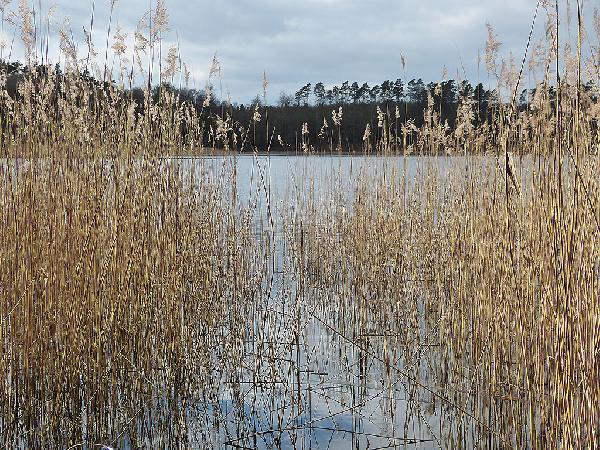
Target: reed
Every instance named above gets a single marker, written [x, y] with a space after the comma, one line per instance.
[145, 303]
[113, 273]
[504, 248]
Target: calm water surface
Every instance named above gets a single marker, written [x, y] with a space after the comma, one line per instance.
[314, 369]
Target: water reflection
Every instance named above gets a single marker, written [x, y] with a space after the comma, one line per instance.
[300, 364]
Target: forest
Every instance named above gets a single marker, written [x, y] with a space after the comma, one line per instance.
[304, 120]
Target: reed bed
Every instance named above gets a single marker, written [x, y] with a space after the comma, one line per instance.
[113, 274]
[145, 303]
[121, 268]
[495, 259]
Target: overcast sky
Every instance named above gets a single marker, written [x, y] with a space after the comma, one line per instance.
[300, 41]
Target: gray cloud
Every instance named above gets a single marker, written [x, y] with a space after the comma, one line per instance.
[327, 40]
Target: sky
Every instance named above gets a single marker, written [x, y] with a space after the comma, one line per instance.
[329, 41]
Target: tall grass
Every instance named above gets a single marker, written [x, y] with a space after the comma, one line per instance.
[116, 264]
[112, 274]
[134, 286]
[505, 249]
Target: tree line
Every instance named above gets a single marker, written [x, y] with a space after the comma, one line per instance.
[306, 115]
[400, 102]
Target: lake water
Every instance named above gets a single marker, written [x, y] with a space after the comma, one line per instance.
[314, 369]
[291, 179]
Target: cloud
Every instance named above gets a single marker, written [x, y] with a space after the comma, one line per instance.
[330, 41]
